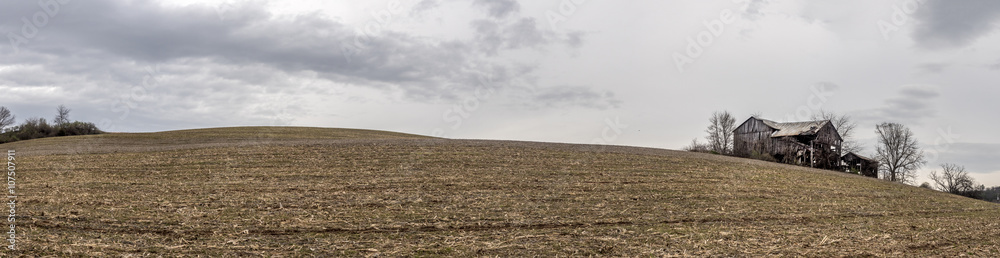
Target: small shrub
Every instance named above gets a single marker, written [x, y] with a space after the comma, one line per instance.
[698, 147]
[77, 128]
[974, 193]
[35, 128]
[5, 138]
[762, 156]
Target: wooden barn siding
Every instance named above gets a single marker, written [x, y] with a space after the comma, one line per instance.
[866, 167]
[828, 147]
[752, 135]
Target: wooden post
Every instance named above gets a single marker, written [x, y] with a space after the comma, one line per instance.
[812, 151]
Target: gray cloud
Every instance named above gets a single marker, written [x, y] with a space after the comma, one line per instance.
[754, 7]
[216, 65]
[499, 8]
[994, 66]
[524, 33]
[932, 68]
[425, 5]
[561, 96]
[918, 92]
[911, 104]
[146, 32]
[976, 157]
[949, 24]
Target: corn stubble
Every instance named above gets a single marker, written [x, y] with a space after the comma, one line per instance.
[318, 192]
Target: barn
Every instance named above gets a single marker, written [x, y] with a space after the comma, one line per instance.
[812, 143]
[863, 165]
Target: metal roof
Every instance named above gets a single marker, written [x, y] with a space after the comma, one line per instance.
[795, 128]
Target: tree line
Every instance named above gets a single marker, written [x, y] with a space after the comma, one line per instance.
[34, 128]
[897, 152]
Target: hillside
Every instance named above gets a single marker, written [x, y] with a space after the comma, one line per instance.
[310, 191]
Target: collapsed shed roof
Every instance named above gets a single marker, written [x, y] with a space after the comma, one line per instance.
[860, 157]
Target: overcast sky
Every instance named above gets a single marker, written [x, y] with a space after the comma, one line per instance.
[640, 73]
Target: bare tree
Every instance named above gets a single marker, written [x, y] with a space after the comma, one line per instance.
[845, 127]
[6, 118]
[720, 132]
[897, 152]
[62, 116]
[697, 146]
[954, 179]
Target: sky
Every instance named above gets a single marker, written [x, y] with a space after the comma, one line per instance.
[637, 73]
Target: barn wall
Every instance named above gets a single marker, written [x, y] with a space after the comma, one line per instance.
[828, 135]
[827, 146]
[870, 169]
[866, 167]
[755, 136]
[750, 136]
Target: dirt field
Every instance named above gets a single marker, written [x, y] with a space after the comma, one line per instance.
[321, 192]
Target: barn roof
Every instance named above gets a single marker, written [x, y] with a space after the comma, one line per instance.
[860, 157]
[795, 128]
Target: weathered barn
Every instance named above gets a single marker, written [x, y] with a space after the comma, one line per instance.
[863, 165]
[814, 143]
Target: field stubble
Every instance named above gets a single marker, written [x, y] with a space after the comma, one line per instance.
[349, 192]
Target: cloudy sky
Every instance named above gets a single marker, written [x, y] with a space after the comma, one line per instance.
[641, 73]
